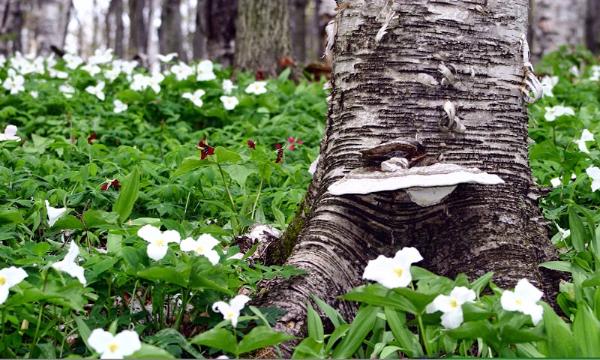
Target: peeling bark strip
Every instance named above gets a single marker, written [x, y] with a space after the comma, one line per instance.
[378, 95]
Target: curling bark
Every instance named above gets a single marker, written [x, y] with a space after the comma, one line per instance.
[377, 97]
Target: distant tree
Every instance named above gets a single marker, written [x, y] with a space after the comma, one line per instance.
[138, 28]
[297, 9]
[262, 34]
[219, 17]
[592, 25]
[11, 21]
[115, 27]
[170, 35]
[51, 21]
[556, 23]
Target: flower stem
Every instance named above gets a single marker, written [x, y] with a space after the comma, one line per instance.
[233, 207]
[257, 197]
[423, 337]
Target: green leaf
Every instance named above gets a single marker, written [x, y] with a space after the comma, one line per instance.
[419, 300]
[480, 284]
[84, 331]
[10, 216]
[150, 352]
[97, 218]
[315, 325]
[219, 338]
[331, 313]
[592, 281]
[261, 337]
[190, 164]
[557, 265]
[560, 342]
[128, 195]
[578, 233]
[239, 173]
[472, 330]
[586, 331]
[359, 329]
[377, 295]
[68, 222]
[309, 348]
[178, 276]
[408, 341]
[226, 156]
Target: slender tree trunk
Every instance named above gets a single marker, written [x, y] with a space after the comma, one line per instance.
[138, 28]
[592, 26]
[11, 21]
[170, 33]
[297, 10]
[219, 20]
[377, 97]
[115, 27]
[51, 23]
[262, 34]
[199, 37]
[556, 23]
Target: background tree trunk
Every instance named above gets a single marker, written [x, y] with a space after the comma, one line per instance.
[556, 23]
[11, 21]
[219, 19]
[297, 9]
[262, 34]
[169, 34]
[51, 19]
[199, 39]
[115, 29]
[138, 28]
[376, 98]
[592, 26]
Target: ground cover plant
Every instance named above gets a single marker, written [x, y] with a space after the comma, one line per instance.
[123, 190]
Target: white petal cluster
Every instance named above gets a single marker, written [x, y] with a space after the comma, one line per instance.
[552, 113]
[10, 277]
[524, 299]
[228, 86]
[257, 88]
[15, 83]
[69, 264]
[97, 90]
[586, 136]
[393, 272]
[111, 346]
[195, 97]
[10, 134]
[594, 173]
[158, 241]
[182, 71]
[548, 83]
[203, 246]
[54, 213]
[231, 310]
[451, 306]
[205, 71]
[229, 102]
[119, 106]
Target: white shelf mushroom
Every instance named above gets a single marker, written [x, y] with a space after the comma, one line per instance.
[425, 185]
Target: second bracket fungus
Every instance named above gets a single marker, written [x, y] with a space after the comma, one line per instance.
[425, 185]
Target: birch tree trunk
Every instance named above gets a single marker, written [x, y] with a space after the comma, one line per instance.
[170, 35]
[378, 95]
[262, 34]
[219, 20]
[556, 23]
[52, 17]
[138, 28]
[11, 21]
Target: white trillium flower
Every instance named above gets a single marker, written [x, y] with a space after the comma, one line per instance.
[594, 173]
[393, 272]
[67, 90]
[595, 73]
[97, 91]
[205, 71]
[202, 247]
[257, 88]
[57, 74]
[231, 310]
[14, 83]
[229, 102]
[111, 346]
[524, 299]
[564, 233]
[552, 113]
[451, 306]
[158, 240]
[555, 182]
[548, 83]
[586, 136]
[119, 106]
[195, 97]
[92, 69]
[34, 94]
[182, 71]
[112, 74]
[575, 71]
[72, 61]
[166, 58]
[69, 264]
[228, 86]
[101, 56]
[10, 277]
[54, 213]
[10, 134]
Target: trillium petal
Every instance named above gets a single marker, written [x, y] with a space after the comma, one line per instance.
[463, 294]
[128, 341]
[220, 306]
[527, 291]
[99, 340]
[212, 256]
[13, 276]
[535, 311]
[208, 241]
[149, 233]
[238, 302]
[156, 252]
[452, 319]
[508, 300]
[171, 236]
[3, 294]
[188, 244]
[440, 303]
[408, 255]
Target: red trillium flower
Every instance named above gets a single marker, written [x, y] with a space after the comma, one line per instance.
[251, 144]
[115, 184]
[279, 149]
[205, 149]
[93, 137]
[259, 75]
[293, 142]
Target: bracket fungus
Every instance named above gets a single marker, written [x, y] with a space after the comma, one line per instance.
[426, 185]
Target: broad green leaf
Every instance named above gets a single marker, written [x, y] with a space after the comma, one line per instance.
[480, 284]
[359, 329]
[10, 216]
[261, 337]
[190, 164]
[586, 331]
[84, 330]
[557, 265]
[309, 348]
[331, 313]
[560, 343]
[408, 341]
[578, 233]
[315, 325]
[218, 338]
[178, 276]
[239, 173]
[151, 352]
[377, 295]
[224, 155]
[128, 195]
